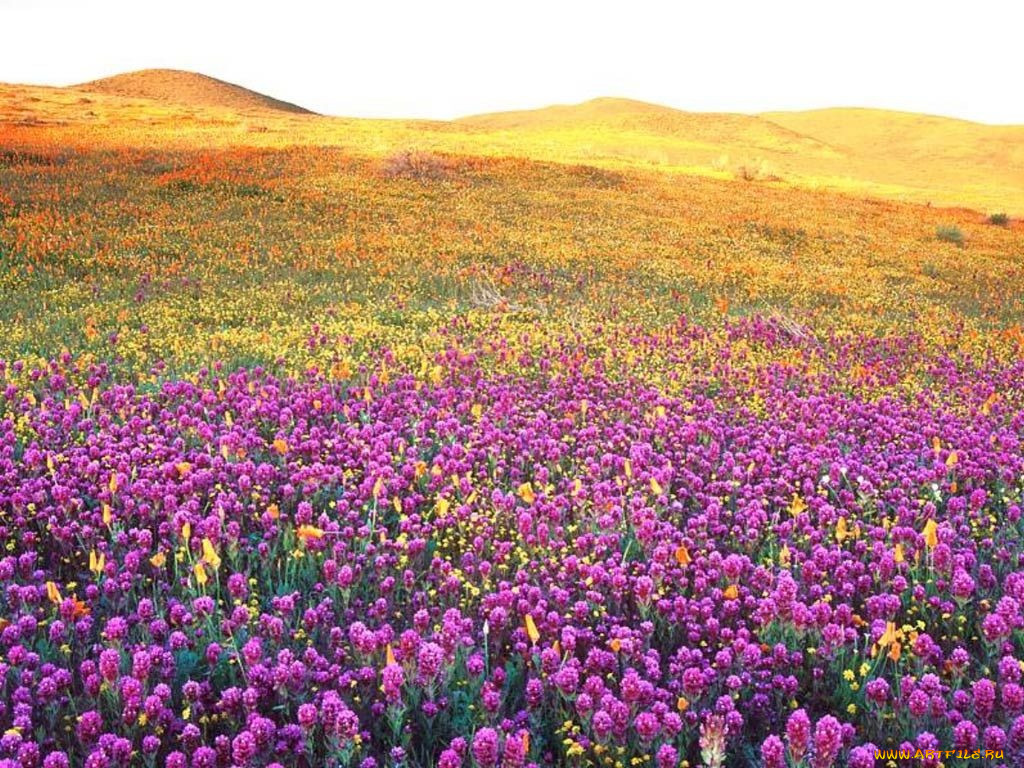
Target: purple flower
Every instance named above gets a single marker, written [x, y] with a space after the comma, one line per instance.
[647, 726]
[965, 735]
[984, 694]
[877, 690]
[429, 659]
[514, 754]
[603, 725]
[862, 757]
[485, 747]
[393, 678]
[110, 664]
[243, 747]
[828, 741]
[918, 703]
[307, 716]
[994, 738]
[773, 752]
[667, 756]
[798, 735]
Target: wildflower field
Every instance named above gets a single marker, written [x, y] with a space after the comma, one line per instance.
[363, 454]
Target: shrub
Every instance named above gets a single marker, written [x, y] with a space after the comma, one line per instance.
[950, 234]
[425, 166]
[999, 219]
[762, 171]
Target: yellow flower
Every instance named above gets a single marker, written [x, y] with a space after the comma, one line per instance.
[683, 555]
[200, 573]
[784, 556]
[158, 560]
[931, 536]
[841, 530]
[889, 636]
[307, 532]
[526, 493]
[97, 562]
[894, 651]
[797, 505]
[732, 592]
[281, 446]
[656, 488]
[531, 629]
[52, 593]
[210, 555]
[986, 407]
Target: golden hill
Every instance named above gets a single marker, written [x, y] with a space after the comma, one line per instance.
[174, 86]
[691, 130]
[861, 152]
[941, 159]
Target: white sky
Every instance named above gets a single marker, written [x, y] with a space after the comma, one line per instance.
[444, 59]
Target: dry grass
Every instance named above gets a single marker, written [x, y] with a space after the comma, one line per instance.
[484, 294]
[796, 331]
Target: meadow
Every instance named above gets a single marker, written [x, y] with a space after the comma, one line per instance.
[326, 443]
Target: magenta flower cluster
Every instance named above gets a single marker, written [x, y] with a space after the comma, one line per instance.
[238, 569]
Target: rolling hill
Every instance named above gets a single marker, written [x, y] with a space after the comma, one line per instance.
[862, 152]
[865, 151]
[637, 118]
[174, 86]
[957, 159]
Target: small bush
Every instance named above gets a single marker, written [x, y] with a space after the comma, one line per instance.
[424, 166]
[763, 171]
[950, 234]
[999, 219]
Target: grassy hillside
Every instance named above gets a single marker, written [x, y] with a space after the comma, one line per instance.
[865, 153]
